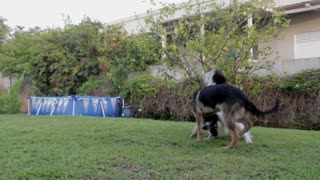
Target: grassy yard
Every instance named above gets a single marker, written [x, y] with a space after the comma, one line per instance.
[117, 148]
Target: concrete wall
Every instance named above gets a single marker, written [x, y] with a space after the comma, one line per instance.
[289, 67]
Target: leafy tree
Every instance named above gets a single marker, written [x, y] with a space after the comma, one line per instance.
[58, 60]
[65, 59]
[209, 35]
[17, 53]
[4, 30]
[124, 54]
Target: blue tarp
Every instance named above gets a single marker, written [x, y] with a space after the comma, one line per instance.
[75, 106]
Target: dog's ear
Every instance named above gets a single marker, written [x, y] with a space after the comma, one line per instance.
[219, 78]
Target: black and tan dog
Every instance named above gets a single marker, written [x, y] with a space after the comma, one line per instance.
[233, 104]
[214, 122]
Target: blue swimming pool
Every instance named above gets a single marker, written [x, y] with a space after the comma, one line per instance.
[76, 106]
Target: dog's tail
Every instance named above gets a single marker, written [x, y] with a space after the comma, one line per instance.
[255, 111]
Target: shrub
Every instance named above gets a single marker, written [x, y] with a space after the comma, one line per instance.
[9, 100]
[157, 98]
[305, 82]
[141, 86]
[170, 102]
[296, 110]
[90, 86]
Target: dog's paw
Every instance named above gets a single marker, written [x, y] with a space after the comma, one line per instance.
[209, 138]
[191, 136]
[248, 138]
[227, 147]
[248, 141]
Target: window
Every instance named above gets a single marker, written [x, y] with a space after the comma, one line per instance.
[307, 45]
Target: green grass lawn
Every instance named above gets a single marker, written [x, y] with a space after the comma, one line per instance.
[118, 148]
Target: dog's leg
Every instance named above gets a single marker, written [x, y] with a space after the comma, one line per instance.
[247, 123]
[199, 119]
[246, 127]
[193, 132]
[247, 136]
[229, 116]
[210, 136]
[234, 139]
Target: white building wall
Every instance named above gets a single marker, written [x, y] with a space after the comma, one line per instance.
[283, 46]
[286, 49]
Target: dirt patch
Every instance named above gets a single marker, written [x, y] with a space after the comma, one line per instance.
[136, 172]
